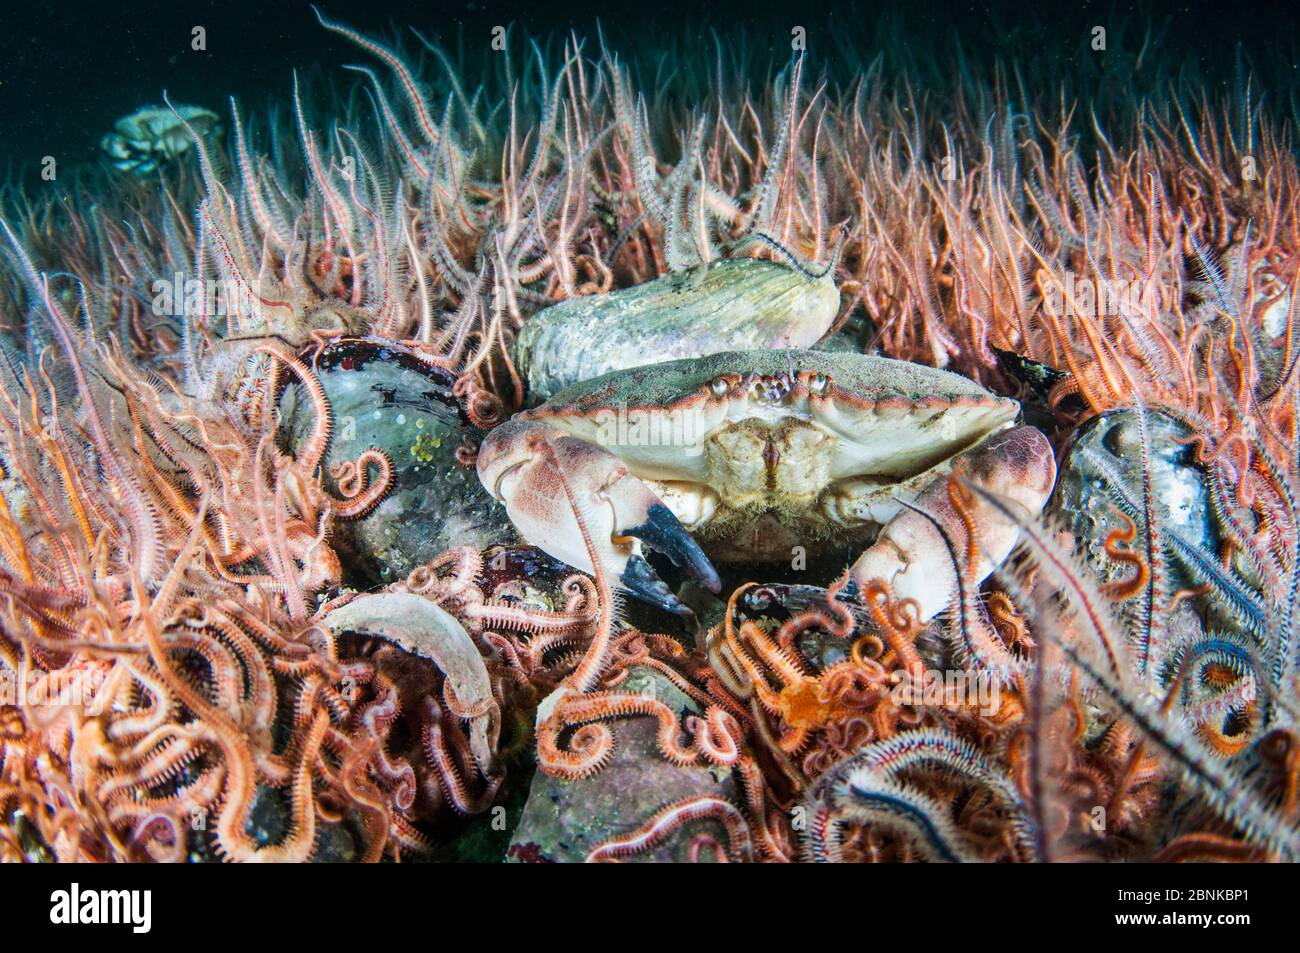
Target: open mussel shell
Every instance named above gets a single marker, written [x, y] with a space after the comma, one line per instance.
[383, 396]
[775, 603]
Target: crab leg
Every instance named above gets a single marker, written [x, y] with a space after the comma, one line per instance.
[527, 464]
[911, 552]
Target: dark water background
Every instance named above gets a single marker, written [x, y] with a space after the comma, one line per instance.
[68, 70]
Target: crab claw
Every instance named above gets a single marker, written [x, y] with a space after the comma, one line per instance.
[911, 553]
[533, 468]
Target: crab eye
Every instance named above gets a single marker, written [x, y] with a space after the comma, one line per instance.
[819, 384]
[719, 386]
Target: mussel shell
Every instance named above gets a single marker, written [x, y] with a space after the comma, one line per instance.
[726, 305]
[382, 395]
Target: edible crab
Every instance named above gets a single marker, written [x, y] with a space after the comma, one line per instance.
[749, 454]
[149, 137]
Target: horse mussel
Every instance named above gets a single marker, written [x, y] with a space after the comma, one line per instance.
[384, 396]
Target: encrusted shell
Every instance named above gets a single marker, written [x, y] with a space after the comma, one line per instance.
[858, 377]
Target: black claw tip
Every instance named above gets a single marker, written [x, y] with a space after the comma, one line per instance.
[640, 579]
[664, 533]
